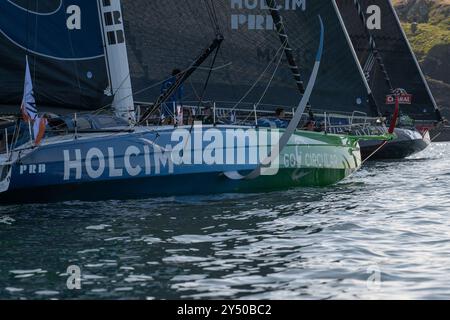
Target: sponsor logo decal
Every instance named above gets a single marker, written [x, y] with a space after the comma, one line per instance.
[403, 97]
[32, 169]
[230, 147]
[254, 14]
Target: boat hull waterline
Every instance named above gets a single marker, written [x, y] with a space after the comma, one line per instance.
[150, 163]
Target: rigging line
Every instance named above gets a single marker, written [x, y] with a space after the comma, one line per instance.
[208, 78]
[213, 15]
[259, 78]
[35, 42]
[27, 29]
[436, 136]
[14, 138]
[371, 155]
[223, 66]
[121, 85]
[27, 25]
[197, 96]
[216, 68]
[142, 90]
[204, 90]
[210, 16]
[162, 81]
[270, 81]
[267, 87]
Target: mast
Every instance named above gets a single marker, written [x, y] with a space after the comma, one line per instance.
[117, 59]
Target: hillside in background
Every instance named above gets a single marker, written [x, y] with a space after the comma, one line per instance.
[427, 25]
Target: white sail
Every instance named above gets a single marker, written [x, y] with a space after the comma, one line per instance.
[117, 58]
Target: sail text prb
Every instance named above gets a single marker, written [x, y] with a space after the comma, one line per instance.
[255, 20]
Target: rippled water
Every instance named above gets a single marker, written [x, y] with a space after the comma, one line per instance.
[383, 233]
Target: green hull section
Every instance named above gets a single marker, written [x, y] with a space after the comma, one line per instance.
[310, 159]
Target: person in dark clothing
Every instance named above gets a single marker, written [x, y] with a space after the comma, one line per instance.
[310, 126]
[168, 107]
[208, 117]
[280, 113]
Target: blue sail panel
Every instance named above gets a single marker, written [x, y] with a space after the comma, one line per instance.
[63, 40]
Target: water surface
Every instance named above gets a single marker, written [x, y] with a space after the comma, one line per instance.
[383, 233]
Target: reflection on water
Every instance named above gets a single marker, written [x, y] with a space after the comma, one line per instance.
[383, 233]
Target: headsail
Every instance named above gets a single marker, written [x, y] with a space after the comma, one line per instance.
[398, 59]
[117, 58]
[251, 45]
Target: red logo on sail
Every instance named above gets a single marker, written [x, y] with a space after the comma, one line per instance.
[403, 97]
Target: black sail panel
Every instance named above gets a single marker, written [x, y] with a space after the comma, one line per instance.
[397, 57]
[66, 55]
[163, 35]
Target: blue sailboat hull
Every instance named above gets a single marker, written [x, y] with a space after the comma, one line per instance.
[151, 163]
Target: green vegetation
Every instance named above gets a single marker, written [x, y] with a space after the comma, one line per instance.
[430, 42]
[433, 23]
[427, 36]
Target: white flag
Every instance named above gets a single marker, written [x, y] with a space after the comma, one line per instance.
[28, 107]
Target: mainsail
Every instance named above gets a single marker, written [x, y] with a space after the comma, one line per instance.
[66, 54]
[248, 55]
[72, 62]
[395, 57]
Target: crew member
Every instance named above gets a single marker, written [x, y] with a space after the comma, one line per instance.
[280, 113]
[170, 105]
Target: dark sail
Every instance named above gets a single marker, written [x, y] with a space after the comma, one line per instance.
[66, 55]
[402, 68]
[163, 35]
